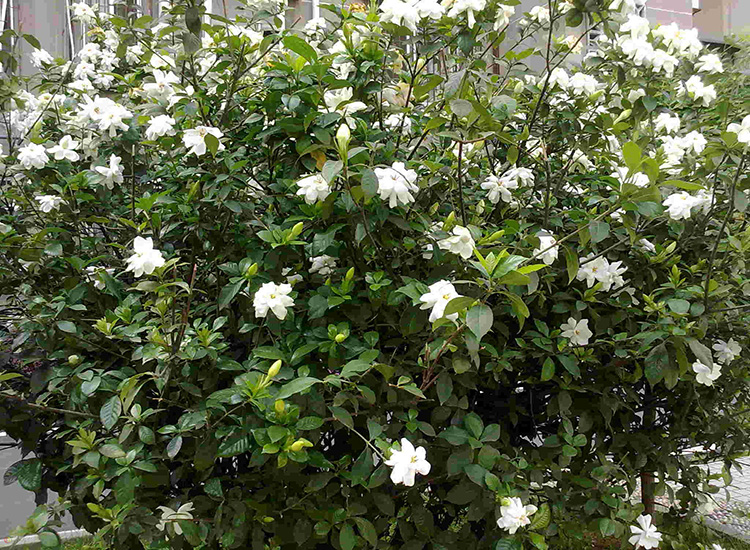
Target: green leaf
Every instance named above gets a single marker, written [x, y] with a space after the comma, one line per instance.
[229, 292]
[301, 48]
[687, 186]
[461, 108]
[235, 445]
[570, 364]
[269, 352]
[444, 387]
[347, 538]
[548, 369]
[571, 263]
[479, 319]
[309, 423]
[109, 414]
[476, 473]
[367, 530]
[599, 231]
[455, 435]
[458, 304]
[49, 539]
[656, 363]
[111, 450]
[67, 326]
[29, 474]
[317, 306]
[193, 20]
[632, 155]
[296, 386]
[33, 41]
[355, 366]
[212, 143]
[606, 527]
[174, 446]
[681, 307]
[540, 520]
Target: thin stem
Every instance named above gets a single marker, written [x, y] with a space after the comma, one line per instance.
[22, 402]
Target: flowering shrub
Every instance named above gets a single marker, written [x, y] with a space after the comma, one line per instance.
[377, 282]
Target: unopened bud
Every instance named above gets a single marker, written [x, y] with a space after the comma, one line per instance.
[519, 87]
[278, 406]
[297, 229]
[268, 519]
[340, 338]
[350, 274]
[343, 136]
[275, 368]
[252, 270]
[495, 236]
[297, 446]
[74, 360]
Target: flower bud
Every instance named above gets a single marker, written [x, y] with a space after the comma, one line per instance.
[519, 87]
[350, 274]
[297, 229]
[252, 270]
[297, 446]
[74, 360]
[279, 406]
[275, 368]
[340, 338]
[343, 136]
[268, 519]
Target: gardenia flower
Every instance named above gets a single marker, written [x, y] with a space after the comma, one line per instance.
[161, 89]
[41, 57]
[581, 82]
[698, 91]
[336, 100]
[47, 203]
[635, 95]
[146, 258]
[705, 374]
[112, 118]
[93, 274]
[437, 298]
[394, 122]
[742, 130]
[639, 179]
[726, 351]
[560, 77]
[513, 514]
[113, 173]
[195, 139]
[33, 156]
[637, 26]
[83, 12]
[172, 517]
[576, 331]
[647, 245]
[695, 141]
[665, 122]
[548, 248]
[408, 462]
[162, 125]
[599, 270]
[504, 13]
[274, 297]
[314, 188]
[65, 149]
[679, 205]
[471, 7]
[323, 264]
[709, 63]
[396, 184]
[461, 243]
[499, 187]
[399, 13]
[662, 61]
[646, 535]
[540, 14]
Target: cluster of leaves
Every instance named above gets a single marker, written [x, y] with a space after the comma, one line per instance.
[166, 376]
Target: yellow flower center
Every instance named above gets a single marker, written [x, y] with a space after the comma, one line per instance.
[446, 297]
[273, 296]
[413, 458]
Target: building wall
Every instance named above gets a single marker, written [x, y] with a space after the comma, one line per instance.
[664, 12]
[719, 18]
[46, 20]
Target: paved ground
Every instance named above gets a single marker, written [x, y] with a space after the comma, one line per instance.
[16, 503]
[733, 515]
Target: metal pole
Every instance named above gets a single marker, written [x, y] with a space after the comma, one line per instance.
[70, 30]
[3, 14]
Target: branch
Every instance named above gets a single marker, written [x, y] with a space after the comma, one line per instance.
[22, 402]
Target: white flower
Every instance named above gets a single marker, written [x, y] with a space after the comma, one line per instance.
[195, 139]
[638, 27]
[698, 91]
[646, 535]
[705, 374]
[598, 270]
[65, 149]
[498, 188]
[83, 13]
[513, 514]
[635, 95]
[429, 8]
[639, 179]
[316, 25]
[33, 156]
[408, 462]
[470, 7]
[323, 264]
[662, 61]
[336, 100]
[638, 50]
[540, 14]
[113, 173]
[47, 203]
[437, 298]
[394, 122]
[133, 54]
[580, 162]
[92, 272]
[574, 43]
[314, 188]
[582, 83]
[576, 331]
[709, 63]
[726, 352]
[504, 13]
[396, 184]
[461, 243]
[162, 125]
[742, 130]
[145, 258]
[172, 517]
[680, 204]
[399, 13]
[647, 245]
[41, 57]
[560, 77]
[274, 297]
[112, 116]
[665, 122]
[547, 247]
[161, 89]
[695, 141]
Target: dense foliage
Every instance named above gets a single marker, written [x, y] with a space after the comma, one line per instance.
[248, 270]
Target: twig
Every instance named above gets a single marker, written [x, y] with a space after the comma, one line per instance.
[21, 401]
